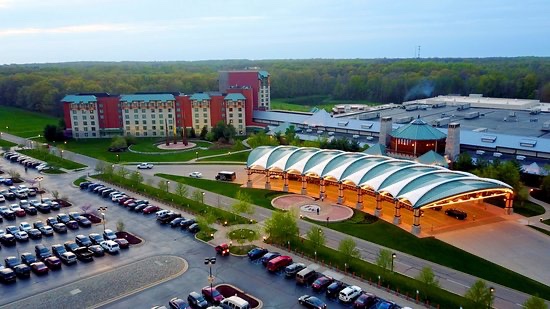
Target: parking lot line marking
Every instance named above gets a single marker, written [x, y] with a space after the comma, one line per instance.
[75, 291]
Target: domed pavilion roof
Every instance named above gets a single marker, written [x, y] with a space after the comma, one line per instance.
[418, 130]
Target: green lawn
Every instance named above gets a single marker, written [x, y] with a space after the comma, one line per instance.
[378, 231]
[5, 143]
[234, 157]
[259, 197]
[98, 148]
[528, 209]
[51, 159]
[24, 123]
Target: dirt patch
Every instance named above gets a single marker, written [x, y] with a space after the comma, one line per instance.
[133, 240]
[93, 218]
[227, 290]
[16, 180]
[63, 203]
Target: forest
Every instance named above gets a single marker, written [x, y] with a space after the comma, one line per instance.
[39, 87]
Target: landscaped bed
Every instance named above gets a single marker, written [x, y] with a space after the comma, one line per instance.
[227, 291]
[131, 238]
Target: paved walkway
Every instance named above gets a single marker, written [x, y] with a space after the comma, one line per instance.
[450, 279]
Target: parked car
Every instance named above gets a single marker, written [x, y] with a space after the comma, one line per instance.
[268, 257]
[53, 262]
[74, 215]
[83, 221]
[28, 258]
[109, 235]
[456, 213]
[25, 226]
[196, 300]
[365, 301]
[292, 269]
[176, 222]
[212, 295]
[51, 221]
[39, 268]
[22, 270]
[7, 240]
[7, 275]
[71, 245]
[349, 294]
[31, 210]
[34, 234]
[140, 207]
[195, 175]
[84, 185]
[184, 224]
[256, 253]
[278, 263]
[194, 228]
[334, 289]
[72, 225]
[222, 249]
[46, 230]
[11, 261]
[63, 218]
[68, 258]
[83, 254]
[167, 218]
[9, 215]
[110, 246]
[60, 228]
[58, 249]
[21, 236]
[178, 303]
[321, 283]
[12, 229]
[97, 250]
[96, 238]
[83, 240]
[43, 208]
[145, 166]
[311, 302]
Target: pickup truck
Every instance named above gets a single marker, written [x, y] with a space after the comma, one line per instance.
[145, 166]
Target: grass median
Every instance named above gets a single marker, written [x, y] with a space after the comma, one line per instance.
[5, 143]
[24, 123]
[51, 159]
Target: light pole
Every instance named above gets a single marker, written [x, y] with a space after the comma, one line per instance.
[210, 261]
[102, 210]
[203, 194]
[197, 154]
[117, 158]
[62, 153]
[492, 291]
[393, 256]
[39, 179]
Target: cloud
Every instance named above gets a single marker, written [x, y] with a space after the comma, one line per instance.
[66, 29]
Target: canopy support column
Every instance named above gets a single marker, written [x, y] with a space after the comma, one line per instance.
[508, 208]
[304, 185]
[397, 216]
[378, 210]
[416, 222]
[340, 193]
[359, 204]
[267, 180]
[249, 177]
[285, 181]
[322, 193]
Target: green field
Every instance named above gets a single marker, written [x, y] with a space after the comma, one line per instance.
[4, 143]
[305, 104]
[51, 160]
[98, 148]
[23, 123]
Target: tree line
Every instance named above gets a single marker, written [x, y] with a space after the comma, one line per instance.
[40, 87]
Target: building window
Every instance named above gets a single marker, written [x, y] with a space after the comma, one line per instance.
[205, 120]
[231, 109]
[240, 115]
[161, 115]
[127, 128]
[153, 116]
[92, 117]
[197, 127]
[85, 128]
[196, 115]
[154, 133]
[73, 111]
[205, 109]
[144, 122]
[143, 116]
[93, 128]
[75, 123]
[144, 128]
[136, 128]
[170, 122]
[162, 127]
[126, 111]
[137, 133]
[83, 117]
[231, 115]
[154, 121]
[76, 129]
[205, 115]
[143, 110]
[85, 134]
[170, 128]
[126, 116]
[93, 134]
[136, 121]
[92, 123]
[136, 116]
[127, 121]
[102, 117]
[240, 109]
[196, 120]
[169, 110]
[154, 128]
[169, 115]
[178, 109]
[196, 109]
[240, 121]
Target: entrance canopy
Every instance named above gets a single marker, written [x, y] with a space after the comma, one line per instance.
[416, 184]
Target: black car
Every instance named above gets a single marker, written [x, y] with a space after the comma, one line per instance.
[184, 224]
[140, 207]
[97, 250]
[83, 221]
[34, 234]
[9, 196]
[58, 249]
[268, 257]
[7, 275]
[256, 253]
[178, 303]
[194, 228]
[60, 228]
[51, 221]
[71, 245]
[11, 261]
[44, 208]
[72, 225]
[42, 251]
[7, 240]
[167, 218]
[456, 213]
[83, 254]
[22, 270]
[74, 215]
[84, 185]
[31, 210]
[63, 218]
[96, 238]
[9, 215]
[28, 258]
[334, 288]
[196, 300]
[12, 229]
[294, 268]
[83, 240]
[176, 221]
[311, 302]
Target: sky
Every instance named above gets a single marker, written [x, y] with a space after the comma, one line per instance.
[40, 31]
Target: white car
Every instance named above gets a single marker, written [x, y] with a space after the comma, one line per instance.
[109, 246]
[195, 175]
[15, 207]
[109, 235]
[145, 166]
[25, 226]
[348, 294]
[21, 235]
[2, 198]
[161, 213]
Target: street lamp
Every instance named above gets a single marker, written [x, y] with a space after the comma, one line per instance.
[62, 153]
[102, 210]
[203, 193]
[393, 256]
[197, 154]
[492, 291]
[210, 261]
[168, 186]
[117, 158]
[39, 179]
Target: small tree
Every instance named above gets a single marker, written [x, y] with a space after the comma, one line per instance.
[535, 302]
[428, 279]
[192, 133]
[181, 190]
[317, 236]
[109, 170]
[480, 294]
[163, 185]
[242, 204]
[14, 174]
[136, 177]
[86, 208]
[100, 166]
[384, 259]
[118, 143]
[120, 226]
[205, 220]
[122, 172]
[204, 131]
[282, 226]
[198, 197]
[55, 194]
[348, 249]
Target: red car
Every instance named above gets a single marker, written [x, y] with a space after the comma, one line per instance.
[20, 212]
[321, 283]
[212, 295]
[128, 201]
[123, 200]
[39, 268]
[150, 209]
[122, 243]
[52, 262]
[222, 249]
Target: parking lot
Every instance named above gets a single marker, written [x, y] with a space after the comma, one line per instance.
[82, 282]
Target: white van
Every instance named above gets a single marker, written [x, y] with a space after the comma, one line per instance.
[235, 302]
[109, 246]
